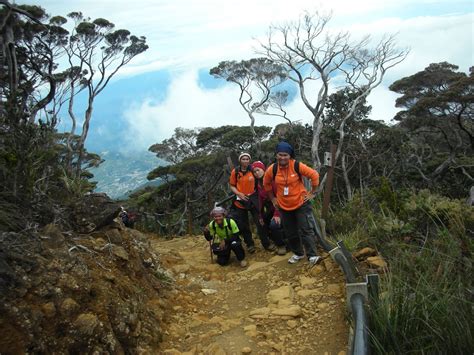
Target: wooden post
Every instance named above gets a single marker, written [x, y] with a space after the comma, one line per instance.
[230, 164]
[190, 219]
[210, 202]
[190, 210]
[327, 190]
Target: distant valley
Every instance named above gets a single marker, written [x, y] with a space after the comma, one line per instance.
[122, 173]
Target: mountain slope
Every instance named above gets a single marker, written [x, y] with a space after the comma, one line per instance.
[121, 173]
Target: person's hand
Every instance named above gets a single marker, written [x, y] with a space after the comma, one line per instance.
[261, 221]
[275, 202]
[222, 244]
[207, 234]
[309, 196]
[242, 196]
[277, 220]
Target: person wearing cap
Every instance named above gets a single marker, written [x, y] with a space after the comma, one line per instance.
[269, 216]
[294, 202]
[223, 234]
[242, 184]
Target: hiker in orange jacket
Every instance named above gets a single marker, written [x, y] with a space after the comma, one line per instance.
[242, 184]
[294, 201]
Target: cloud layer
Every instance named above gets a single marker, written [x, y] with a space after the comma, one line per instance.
[186, 36]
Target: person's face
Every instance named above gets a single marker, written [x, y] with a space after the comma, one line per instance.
[244, 161]
[258, 173]
[283, 158]
[219, 218]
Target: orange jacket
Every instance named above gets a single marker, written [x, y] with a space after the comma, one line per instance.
[245, 183]
[288, 177]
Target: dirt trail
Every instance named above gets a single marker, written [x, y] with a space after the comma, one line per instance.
[269, 307]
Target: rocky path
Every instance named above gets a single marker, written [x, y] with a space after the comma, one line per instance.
[269, 307]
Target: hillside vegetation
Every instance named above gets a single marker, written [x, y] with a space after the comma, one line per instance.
[73, 279]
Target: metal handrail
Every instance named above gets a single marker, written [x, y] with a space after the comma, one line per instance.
[360, 344]
[344, 264]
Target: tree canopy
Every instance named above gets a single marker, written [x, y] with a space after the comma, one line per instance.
[45, 64]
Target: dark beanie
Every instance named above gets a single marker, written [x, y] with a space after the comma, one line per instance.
[284, 147]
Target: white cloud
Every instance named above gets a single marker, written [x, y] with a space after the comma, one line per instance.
[186, 35]
[383, 104]
[186, 105]
[189, 105]
[433, 39]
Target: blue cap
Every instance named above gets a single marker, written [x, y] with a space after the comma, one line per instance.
[284, 147]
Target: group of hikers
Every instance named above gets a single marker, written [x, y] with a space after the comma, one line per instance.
[280, 206]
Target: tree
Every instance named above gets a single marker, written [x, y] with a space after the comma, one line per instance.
[29, 49]
[350, 136]
[96, 52]
[198, 173]
[36, 163]
[256, 78]
[27, 150]
[180, 146]
[438, 118]
[312, 53]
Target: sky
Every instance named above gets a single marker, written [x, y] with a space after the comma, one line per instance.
[168, 86]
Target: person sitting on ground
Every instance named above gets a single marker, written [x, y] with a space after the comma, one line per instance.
[128, 218]
[293, 201]
[242, 184]
[269, 216]
[223, 234]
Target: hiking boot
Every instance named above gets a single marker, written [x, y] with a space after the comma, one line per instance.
[271, 247]
[295, 258]
[313, 260]
[281, 251]
[243, 263]
[251, 249]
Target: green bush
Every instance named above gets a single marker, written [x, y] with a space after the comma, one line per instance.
[426, 304]
[426, 301]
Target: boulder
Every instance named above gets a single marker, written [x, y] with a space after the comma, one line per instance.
[68, 306]
[120, 252]
[377, 262]
[215, 349]
[280, 294]
[364, 253]
[94, 211]
[114, 236]
[86, 324]
[290, 311]
[52, 236]
[49, 310]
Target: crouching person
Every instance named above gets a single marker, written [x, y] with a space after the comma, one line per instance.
[223, 234]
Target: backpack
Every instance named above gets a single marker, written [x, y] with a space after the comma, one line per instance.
[275, 169]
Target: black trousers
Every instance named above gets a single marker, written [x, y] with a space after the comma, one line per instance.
[299, 231]
[273, 230]
[232, 244]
